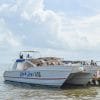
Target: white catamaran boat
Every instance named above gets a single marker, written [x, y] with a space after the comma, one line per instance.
[49, 71]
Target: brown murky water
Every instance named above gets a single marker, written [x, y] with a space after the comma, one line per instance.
[19, 91]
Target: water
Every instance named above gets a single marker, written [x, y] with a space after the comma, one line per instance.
[19, 91]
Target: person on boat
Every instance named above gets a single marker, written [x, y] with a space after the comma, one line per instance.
[21, 56]
[98, 76]
[94, 79]
[28, 56]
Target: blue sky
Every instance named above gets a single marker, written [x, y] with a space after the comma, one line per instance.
[64, 28]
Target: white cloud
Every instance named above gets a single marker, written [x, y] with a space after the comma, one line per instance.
[35, 10]
[6, 37]
[3, 7]
[90, 5]
[10, 39]
[41, 26]
[81, 33]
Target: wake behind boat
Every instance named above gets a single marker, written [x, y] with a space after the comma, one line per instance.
[51, 71]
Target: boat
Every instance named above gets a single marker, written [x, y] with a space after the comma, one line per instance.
[50, 71]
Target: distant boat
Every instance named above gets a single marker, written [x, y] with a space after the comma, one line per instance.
[51, 71]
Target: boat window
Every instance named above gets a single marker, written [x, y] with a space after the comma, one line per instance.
[23, 66]
[20, 66]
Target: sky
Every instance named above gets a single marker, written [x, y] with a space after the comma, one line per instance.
[68, 29]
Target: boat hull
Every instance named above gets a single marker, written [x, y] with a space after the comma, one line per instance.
[43, 77]
[51, 76]
[80, 78]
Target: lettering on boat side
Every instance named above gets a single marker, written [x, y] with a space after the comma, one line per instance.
[30, 74]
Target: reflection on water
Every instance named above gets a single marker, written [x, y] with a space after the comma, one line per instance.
[19, 91]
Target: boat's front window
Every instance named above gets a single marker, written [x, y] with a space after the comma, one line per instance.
[20, 66]
[24, 65]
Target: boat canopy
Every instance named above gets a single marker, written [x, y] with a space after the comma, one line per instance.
[27, 54]
[30, 51]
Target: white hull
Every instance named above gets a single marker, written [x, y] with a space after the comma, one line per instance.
[52, 76]
[79, 78]
[48, 76]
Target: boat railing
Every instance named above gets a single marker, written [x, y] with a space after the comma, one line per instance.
[91, 68]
